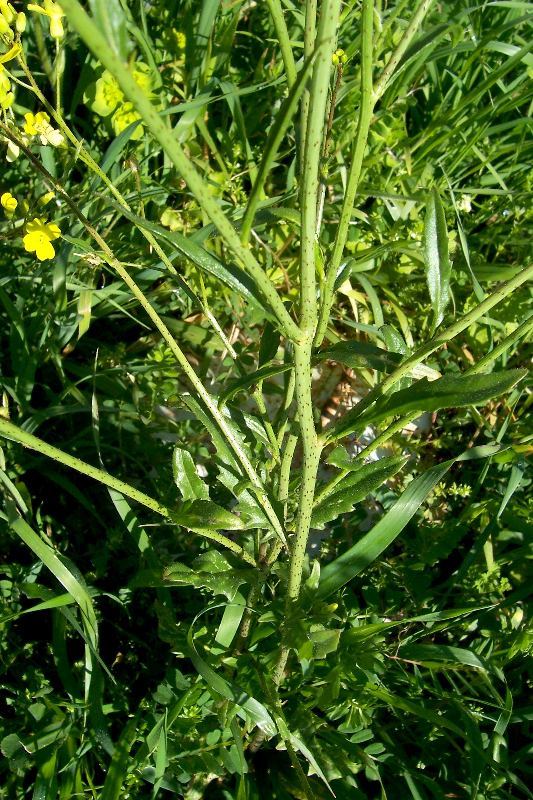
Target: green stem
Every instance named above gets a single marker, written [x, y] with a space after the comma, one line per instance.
[309, 46]
[403, 44]
[326, 36]
[502, 348]
[16, 434]
[208, 400]
[276, 12]
[366, 107]
[97, 43]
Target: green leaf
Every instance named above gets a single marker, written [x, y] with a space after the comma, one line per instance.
[424, 395]
[268, 346]
[438, 267]
[186, 478]
[201, 515]
[268, 371]
[210, 571]
[355, 487]
[442, 656]
[371, 545]
[361, 354]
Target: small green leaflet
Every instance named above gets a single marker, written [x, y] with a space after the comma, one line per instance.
[186, 478]
[355, 487]
[201, 515]
[438, 267]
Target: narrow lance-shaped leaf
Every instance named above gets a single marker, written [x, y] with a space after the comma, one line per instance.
[364, 354]
[239, 385]
[438, 267]
[424, 395]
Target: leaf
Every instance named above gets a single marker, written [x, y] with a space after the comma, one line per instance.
[371, 545]
[231, 275]
[186, 478]
[268, 346]
[361, 354]
[210, 571]
[268, 371]
[355, 487]
[424, 395]
[438, 655]
[201, 515]
[438, 267]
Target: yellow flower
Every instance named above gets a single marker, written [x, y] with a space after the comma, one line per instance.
[124, 116]
[9, 203]
[108, 94]
[55, 14]
[109, 97]
[180, 38]
[39, 238]
[20, 24]
[6, 95]
[39, 125]
[7, 11]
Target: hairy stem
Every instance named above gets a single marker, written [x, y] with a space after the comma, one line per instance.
[276, 12]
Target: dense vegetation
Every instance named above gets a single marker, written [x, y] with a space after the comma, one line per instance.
[263, 436]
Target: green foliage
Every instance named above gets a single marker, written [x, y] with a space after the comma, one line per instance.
[265, 514]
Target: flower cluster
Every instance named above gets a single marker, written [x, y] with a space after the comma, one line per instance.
[109, 99]
[39, 125]
[339, 57]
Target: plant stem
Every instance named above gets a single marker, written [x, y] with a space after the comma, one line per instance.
[326, 36]
[366, 107]
[309, 45]
[276, 12]
[403, 44]
[96, 42]
[369, 97]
